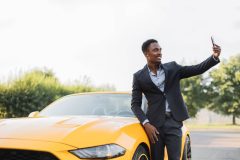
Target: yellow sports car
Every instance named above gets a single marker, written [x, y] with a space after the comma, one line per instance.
[80, 126]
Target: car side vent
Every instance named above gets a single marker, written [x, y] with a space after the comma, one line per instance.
[12, 154]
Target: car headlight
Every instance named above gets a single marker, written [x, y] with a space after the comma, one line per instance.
[104, 151]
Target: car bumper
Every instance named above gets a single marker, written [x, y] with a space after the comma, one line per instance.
[59, 150]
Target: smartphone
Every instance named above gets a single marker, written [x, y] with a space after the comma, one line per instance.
[213, 43]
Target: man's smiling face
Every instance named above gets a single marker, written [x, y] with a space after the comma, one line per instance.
[154, 53]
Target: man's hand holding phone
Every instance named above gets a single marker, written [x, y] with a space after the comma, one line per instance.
[216, 49]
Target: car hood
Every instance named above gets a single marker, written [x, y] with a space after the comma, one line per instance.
[77, 131]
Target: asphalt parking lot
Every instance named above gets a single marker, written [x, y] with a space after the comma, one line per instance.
[215, 145]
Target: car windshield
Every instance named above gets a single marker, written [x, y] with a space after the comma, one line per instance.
[91, 104]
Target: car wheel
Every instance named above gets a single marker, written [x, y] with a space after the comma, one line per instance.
[187, 154]
[141, 154]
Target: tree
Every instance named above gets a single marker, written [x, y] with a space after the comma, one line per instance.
[193, 94]
[2, 107]
[224, 88]
[32, 91]
[36, 89]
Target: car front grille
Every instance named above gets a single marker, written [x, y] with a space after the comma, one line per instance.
[12, 154]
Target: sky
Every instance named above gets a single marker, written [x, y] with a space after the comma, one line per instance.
[102, 39]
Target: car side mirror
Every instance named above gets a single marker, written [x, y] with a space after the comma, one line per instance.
[34, 114]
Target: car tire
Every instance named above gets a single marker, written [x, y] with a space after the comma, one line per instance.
[187, 153]
[141, 154]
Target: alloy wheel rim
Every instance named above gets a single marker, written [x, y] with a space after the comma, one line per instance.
[143, 157]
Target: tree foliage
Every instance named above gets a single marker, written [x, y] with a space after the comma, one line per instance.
[224, 88]
[193, 94]
[33, 91]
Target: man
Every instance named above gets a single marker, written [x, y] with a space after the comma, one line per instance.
[160, 84]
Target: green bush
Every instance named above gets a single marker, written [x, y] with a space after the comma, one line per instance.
[33, 91]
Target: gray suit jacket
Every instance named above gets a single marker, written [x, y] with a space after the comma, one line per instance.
[142, 84]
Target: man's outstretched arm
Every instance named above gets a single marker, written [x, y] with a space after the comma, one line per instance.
[189, 71]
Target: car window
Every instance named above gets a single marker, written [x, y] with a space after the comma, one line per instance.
[91, 104]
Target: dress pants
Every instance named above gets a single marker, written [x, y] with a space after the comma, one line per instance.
[170, 135]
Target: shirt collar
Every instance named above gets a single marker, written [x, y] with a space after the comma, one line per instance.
[159, 69]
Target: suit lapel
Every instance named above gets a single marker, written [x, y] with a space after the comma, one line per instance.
[166, 76]
[148, 79]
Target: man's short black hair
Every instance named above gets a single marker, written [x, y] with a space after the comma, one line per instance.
[146, 44]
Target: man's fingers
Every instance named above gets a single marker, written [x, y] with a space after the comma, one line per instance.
[152, 133]
[155, 136]
[216, 47]
[150, 136]
[216, 50]
[152, 139]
